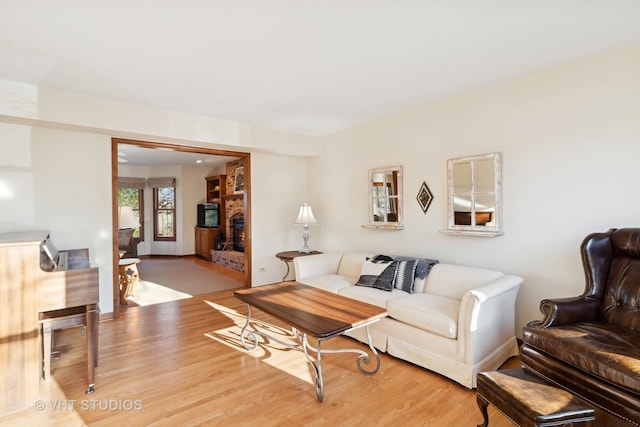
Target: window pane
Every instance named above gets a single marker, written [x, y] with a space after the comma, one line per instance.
[132, 197]
[128, 197]
[165, 213]
[165, 223]
[166, 198]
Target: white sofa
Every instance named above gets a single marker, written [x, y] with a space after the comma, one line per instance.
[458, 321]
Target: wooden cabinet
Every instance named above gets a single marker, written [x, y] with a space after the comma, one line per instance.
[206, 237]
[205, 241]
[216, 188]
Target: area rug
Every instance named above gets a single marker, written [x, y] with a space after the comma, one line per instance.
[163, 280]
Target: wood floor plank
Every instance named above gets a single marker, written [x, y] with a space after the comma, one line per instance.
[181, 363]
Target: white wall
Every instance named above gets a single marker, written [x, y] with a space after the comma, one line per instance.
[279, 185]
[60, 181]
[570, 140]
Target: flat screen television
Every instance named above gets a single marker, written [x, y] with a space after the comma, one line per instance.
[209, 215]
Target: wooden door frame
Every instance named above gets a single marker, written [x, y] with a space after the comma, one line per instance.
[189, 149]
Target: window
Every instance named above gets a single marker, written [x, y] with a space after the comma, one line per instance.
[164, 212]
[131, 193]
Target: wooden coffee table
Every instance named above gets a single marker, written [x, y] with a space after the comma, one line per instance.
[315, 312]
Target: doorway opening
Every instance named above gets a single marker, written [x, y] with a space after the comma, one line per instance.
[179, 152]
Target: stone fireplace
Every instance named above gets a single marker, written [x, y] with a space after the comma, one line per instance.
[232, 256]
[237, 228]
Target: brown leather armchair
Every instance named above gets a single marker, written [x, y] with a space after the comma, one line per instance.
[128, 243]
[589, 345]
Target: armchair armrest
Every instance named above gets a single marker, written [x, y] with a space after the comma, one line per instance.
[561, 311]
[486, 320]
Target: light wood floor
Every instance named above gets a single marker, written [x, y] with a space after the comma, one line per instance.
[217, 268]
[181, 363]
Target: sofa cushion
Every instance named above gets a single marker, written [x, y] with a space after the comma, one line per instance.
[604, 350]
[432, 313]
[329, 282]
[453, 281]
[371, 295]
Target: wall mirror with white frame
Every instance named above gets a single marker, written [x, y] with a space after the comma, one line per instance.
[385, 198]
[474, 195]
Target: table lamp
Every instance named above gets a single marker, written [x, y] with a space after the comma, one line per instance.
[305, 218]
[126, 218]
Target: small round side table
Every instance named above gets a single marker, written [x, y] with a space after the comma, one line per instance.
[288, 256]
[128, 272]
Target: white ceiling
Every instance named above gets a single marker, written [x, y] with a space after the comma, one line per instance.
[313, 67]
[129, 154]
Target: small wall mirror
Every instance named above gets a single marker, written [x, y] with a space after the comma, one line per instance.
[475, 195]
[385, 198]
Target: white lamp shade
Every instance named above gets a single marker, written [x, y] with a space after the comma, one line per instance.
[305, 216]
[127, 218]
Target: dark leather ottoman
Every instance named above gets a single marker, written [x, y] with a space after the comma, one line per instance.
[529, 401]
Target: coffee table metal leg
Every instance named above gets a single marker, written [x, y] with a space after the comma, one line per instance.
[317, 365]
[366, 359]
[253, 335]
[363, 356]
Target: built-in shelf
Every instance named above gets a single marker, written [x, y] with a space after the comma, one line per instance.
[216, 186]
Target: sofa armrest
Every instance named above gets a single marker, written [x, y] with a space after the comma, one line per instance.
[486, 320]
[316, 265]
[561, 311]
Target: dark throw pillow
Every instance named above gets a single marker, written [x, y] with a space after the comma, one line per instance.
[386, 278]
[371, 272]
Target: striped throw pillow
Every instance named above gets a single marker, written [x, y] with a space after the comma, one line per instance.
[405, 275]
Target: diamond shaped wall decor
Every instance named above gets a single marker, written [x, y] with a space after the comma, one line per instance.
[424, 197]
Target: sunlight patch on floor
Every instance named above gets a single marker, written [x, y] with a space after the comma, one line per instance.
[290, 361]
[52, 408]
[147, 293]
